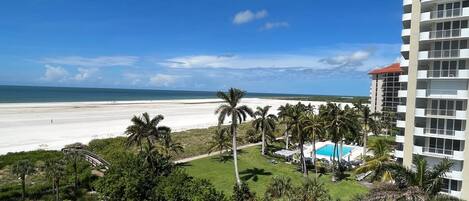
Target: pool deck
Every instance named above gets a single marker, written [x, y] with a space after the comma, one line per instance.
[354, 154]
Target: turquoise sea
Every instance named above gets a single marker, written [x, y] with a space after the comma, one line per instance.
[34, 94]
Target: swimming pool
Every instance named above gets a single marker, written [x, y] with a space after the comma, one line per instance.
[328, 150]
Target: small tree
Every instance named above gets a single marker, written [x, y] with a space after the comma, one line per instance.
[55, 170]
[242, 193]
[22, 169]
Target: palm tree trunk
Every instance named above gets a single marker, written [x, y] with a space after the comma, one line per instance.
[23, 188]
[57, 197]
[235, 155]
[303, 162]
[365, 136]
[333, 162]
[263, 141]
[340, 149]
[314, 154]
[286, 137]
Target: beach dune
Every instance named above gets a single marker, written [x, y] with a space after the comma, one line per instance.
[50, 126]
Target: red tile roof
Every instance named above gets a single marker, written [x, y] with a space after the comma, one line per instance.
[393, 68]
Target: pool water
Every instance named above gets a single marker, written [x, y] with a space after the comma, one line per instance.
[328, 150]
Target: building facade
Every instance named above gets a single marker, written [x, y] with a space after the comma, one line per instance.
[433, 113]
[384, 88]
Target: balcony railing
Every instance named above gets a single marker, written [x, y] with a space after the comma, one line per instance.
[438, 150]
[439, 131]
[446, 13]
[443, 53]
[445, 33]
[442, 92]
[440, 112]
[442, 73]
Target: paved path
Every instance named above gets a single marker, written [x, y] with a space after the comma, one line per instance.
[185, 160]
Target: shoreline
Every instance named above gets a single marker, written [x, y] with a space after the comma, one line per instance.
[50, 126]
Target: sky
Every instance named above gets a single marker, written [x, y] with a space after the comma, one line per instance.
[279, 46]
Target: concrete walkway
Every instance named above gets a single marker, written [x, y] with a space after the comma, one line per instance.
[185, 160]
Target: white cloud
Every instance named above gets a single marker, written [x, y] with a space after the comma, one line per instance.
[272, 25]
[355, 58]
[84, 73]
[248, 16]
[54, 73]
[163, 80]
[102, 61]
[133, 78]
[361, 57]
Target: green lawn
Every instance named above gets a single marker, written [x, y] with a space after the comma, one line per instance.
[257, 171]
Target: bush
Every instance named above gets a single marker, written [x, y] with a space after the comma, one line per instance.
[32, 156]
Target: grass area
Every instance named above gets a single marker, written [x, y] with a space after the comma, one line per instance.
[258, 170]
[195, 142]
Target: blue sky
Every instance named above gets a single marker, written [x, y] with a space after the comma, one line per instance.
[301, 46]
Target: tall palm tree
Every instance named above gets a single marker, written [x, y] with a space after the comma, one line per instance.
[143, 127]
[365, 117]
[220, 140]
[283, 116]
[73, 156]
[238, 114]
[264, 122]
[339, 122]
[313, 126]
[295, 114]
[22, 169]
[55, 170]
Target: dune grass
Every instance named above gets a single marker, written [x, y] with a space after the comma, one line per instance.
[257, 170]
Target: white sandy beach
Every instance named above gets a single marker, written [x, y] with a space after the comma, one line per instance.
[27, 126]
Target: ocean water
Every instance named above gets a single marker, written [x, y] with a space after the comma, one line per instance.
[33, 94]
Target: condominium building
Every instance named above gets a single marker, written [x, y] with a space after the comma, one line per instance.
[384, 88]
[433, 113]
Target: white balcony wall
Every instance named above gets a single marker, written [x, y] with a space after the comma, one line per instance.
[403, 78]
[401, 108]
[458, 135]
[399, 154]
[421, 93]
[402, 93]
[405, 48]
[427, 16]
[461, 114]
[422, 74]
[404, 62]
[400, 124]
[406, 16]
[407, 2]
[419, 112]
[405, 32]
[425, 36]
[425, 55]
[399, 138]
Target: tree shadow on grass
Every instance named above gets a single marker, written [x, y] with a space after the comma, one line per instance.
[253, 173]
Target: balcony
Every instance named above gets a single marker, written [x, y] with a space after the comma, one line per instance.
[402, 93]
[403, 78]
[405, 33]
[401, 108]
[404, 63]
[444, 54]
[439, 133]
[407, 17]
[400, 124]
[454, 174]
[444, 34]
[398, 154]
[400, 138]
[438, 152]
[443, 74]
[443, 93]
[405, 48]
[451, 193]
[407, 2]
[444, 14]
[441, 113]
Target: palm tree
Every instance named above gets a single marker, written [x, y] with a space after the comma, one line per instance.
[312, 190]
[167, 145]
[264, 122]
[366, 118]
[429, 180]
[339, 122]
[145, 128]
[313, 126]
[282, 114]
[238, 114]
[295, 114]
[279, 187]
[55, 170]
[22, 169]
[220, 140]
